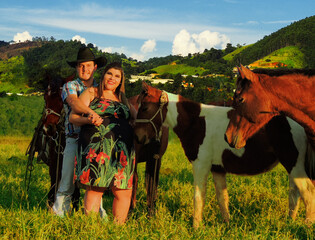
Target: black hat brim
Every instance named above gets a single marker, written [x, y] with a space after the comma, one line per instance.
[100, 62]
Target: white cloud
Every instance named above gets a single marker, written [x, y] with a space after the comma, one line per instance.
[79, 39]
[22, 37]
[148, 46]
[185, 43]
[139, 57]
[119, 50]
[107, 50]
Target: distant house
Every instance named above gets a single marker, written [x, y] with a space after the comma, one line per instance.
[135, 78]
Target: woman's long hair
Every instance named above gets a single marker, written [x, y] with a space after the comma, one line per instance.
[120, 90]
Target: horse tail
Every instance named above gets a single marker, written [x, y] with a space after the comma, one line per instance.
[310, 162]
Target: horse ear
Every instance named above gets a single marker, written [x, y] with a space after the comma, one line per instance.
[145, 86]
[240, 72]
[248, 74]
[163, 98]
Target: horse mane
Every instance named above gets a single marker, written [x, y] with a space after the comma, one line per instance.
[281, 72]
[55, 83]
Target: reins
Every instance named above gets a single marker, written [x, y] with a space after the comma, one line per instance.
[30, 151]
[32, 146]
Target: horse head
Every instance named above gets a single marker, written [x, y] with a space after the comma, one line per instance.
[151, 114]
[52, 116]
[239, 129]
[253, 108]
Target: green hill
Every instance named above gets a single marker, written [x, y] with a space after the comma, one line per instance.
[230, 56]
[291, 57]
[300, 34]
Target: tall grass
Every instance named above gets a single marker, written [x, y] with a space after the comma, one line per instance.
[258, 205]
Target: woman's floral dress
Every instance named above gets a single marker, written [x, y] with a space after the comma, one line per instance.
[106, 155]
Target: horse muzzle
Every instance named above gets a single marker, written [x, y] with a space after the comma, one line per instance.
[50, 130]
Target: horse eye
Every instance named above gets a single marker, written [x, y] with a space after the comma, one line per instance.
[241, 100]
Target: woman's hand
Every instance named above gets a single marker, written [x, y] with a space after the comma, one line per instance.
[95, 119]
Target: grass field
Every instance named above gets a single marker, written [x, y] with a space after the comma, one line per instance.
[258, 205]
[179, 68]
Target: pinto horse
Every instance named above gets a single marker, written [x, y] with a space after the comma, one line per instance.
[263, 94]
[201, 128]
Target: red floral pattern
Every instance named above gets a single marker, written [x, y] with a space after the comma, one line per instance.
[84, 178]
[91, 154]
[103, 105]
[101, 157]
[119, 176]
[123, 159]
[130, 181]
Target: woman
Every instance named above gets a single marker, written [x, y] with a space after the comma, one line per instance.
[106, 156]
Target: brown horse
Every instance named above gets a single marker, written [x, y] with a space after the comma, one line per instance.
[263, 94]
[151, 154]
[200, 129]
[53, 140]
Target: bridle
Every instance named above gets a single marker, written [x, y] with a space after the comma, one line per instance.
[48, 111]
[158, 133]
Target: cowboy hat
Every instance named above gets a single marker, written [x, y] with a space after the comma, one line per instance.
[85, 54]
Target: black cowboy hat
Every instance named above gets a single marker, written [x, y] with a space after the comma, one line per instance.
[85, 54]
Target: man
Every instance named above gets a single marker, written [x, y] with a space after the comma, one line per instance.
[86, 65]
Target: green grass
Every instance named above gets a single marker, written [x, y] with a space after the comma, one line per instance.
[19, 115]
[179, 68]
[290, 56]
[258, 205]
[231, 55]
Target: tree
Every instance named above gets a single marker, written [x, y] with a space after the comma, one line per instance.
[229, 48]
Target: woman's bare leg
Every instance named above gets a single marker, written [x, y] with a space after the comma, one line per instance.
[121, 204]
[92, 201]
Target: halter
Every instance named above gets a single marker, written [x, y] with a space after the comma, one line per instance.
[158, 134]
[49, 111]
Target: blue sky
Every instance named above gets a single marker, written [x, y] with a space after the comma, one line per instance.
[143, 29]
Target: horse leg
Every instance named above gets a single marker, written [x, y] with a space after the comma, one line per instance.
[307, 191]
[222, 194]
[151, 181]
[294, 198]
[200, 173]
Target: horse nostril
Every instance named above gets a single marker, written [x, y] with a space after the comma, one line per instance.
[136, 138]
[49, 128]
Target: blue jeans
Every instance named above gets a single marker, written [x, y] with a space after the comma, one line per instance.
[66, 185]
